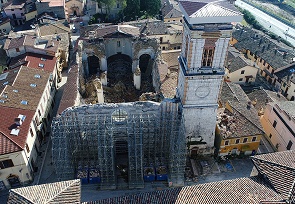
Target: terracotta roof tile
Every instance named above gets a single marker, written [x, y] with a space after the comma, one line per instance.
[11, 143]
[242, 191]
[70, 92]
[7, 78]
[50, 193]
[14, 43]
[23, 89]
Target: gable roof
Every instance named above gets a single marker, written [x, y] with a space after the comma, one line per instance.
[12, 143]
[279, 169]
[108, 31]
[238, 63]
[59, 192]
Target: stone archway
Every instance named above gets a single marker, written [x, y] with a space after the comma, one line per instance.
[119, 69]
[144, 60]
[93, 65]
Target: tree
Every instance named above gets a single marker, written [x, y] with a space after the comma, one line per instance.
[152, 7]
[107, 3]
[132, 9]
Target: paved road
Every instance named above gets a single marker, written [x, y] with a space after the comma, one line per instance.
[270, 23]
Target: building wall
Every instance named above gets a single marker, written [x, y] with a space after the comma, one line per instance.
[237, 75]
[74, 5]
[279, 135]
[31, 15]
[112, 48]
[179, 19]
[44, 7]
[236, 148]
[14, 52]
[5, 27]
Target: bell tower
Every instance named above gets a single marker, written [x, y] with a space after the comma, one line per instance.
[207, 31]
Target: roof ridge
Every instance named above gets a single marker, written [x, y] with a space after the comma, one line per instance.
[61, 191]
[11, 140]
[20, 194]
[237, 12]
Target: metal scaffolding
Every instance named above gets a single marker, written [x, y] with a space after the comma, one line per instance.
[95, 136]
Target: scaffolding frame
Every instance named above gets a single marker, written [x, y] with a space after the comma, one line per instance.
[87, 135]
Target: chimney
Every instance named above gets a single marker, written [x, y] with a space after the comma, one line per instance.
[18, 121]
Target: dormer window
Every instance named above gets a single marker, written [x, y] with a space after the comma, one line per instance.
[15, 90]
[37, 76]
[43, 59]
[41, 65]
[5, 83]
[33, 85]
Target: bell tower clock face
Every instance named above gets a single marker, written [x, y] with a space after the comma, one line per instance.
[202, 91]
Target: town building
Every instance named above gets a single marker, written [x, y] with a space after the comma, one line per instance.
[266, 55]
[238, 129]
[74, 7]
[26, 102]
[119, 62]
[279, 124]
[285, 81]
[239, 69]
[55, 6]
[16, 12]
[273, 183]
[171, 12]
[5, 26]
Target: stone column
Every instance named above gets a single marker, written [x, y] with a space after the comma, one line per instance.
[135, 63]
[99, 91]
[103, 63]
[137, 78]
[104, 78]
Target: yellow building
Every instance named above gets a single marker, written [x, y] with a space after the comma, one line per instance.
[238, 129]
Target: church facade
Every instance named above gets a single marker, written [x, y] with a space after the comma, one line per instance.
[133, 140]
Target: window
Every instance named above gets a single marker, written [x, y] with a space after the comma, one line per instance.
[6, 164]
[118, 5]
[274, 124]
[268, 66]
[41, 65]
[24, 102]
[254, 139]
[237, 141]
[208, 57]
[39, 112]
[163, 48]
[243, 72]
[240, 79]
[161, 39]
[226, 142]
[17, 49]
[22, 14]
[119, 115]
[27, 148]
[118, 44]
[245, 140]
[260, 60]
[289, 145]
[37, 121]
[31, 132]
[270, 135]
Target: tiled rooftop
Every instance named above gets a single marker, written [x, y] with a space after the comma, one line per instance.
[238, 63]
[63, 192]
[234, 95]
[287, 106]
[7, 78]
[209, 8]
[26, 87]
[154, 28]
[287, 74]
[11, 143]
[14, 43]
[70, 91]
[262, 97]
[53, 28]
[242, 191]
[279, 169]
[261, 46]
[112, 29]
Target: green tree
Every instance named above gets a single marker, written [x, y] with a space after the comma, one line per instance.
[152, 7]
[132, 9]
[108, 3]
